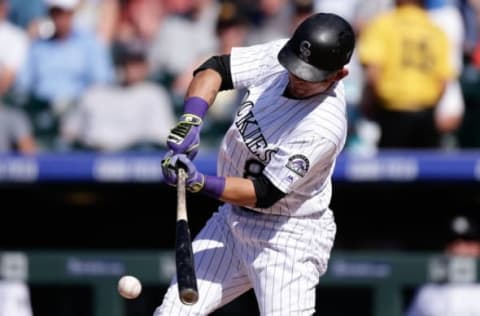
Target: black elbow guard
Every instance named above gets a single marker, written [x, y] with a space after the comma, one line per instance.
[267, 194]
[220, 64]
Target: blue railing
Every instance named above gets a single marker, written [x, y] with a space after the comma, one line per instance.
[396, 166]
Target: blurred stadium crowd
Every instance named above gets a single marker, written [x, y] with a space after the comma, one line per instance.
[110, 75]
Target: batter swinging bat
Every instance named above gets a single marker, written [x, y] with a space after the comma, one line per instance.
[186, 279]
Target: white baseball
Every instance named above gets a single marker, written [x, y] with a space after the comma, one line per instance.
[129, 287]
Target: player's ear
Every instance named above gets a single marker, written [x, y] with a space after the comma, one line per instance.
[342, 73]
[338, 75]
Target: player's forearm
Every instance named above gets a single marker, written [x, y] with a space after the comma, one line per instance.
[26, 145]
[185, 136]
[239, 191]
[205, 85]
[6, 81]
[234, 190]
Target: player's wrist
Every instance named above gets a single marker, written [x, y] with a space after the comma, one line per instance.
[195, 106]
[213, 186]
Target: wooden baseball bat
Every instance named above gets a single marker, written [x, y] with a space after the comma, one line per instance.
[186, 279]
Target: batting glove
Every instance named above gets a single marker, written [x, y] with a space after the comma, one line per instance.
[184, 138]
[195, 180]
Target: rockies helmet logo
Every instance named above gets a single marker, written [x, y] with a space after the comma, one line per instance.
[305, 51]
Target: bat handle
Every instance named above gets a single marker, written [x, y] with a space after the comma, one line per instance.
[181, 201]
[181, 176]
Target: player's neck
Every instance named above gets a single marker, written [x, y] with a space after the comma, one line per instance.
[287, 93]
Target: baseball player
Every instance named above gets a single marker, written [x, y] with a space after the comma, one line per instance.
[457, 293]
[14, 299]
[275, 231]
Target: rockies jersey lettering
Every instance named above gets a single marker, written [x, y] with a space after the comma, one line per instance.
[252, 134]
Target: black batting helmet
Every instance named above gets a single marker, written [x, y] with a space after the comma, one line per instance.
[321, 45]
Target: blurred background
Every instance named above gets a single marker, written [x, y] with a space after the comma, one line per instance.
[90, 89]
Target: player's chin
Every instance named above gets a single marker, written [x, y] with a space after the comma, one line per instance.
[301, 94]
[301, 91]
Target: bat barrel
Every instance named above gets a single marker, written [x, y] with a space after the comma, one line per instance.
[186, 278]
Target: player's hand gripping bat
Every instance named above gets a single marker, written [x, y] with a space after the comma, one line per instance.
[186, 279]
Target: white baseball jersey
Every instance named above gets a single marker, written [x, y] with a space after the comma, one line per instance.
[446, 300]
[295, 141]
[14, 299]
[17, 42]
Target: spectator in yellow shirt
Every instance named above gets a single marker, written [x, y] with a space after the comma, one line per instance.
[407, 65]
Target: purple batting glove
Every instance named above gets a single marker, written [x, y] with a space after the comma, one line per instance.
[184, 138]
[196, 181]
[168, 169]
